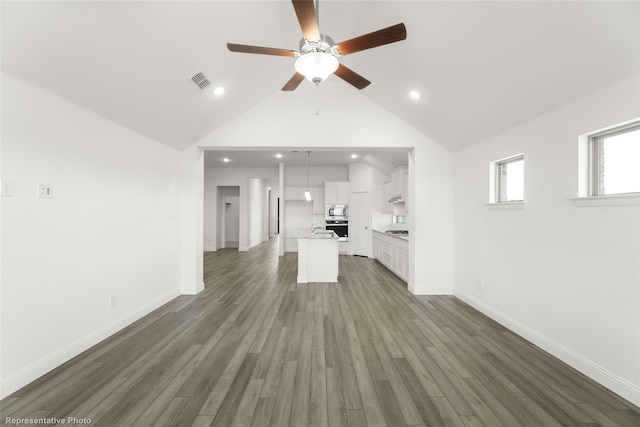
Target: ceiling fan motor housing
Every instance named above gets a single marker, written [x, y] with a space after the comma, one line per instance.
[325, 45]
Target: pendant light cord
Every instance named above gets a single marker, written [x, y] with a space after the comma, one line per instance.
[308, 170]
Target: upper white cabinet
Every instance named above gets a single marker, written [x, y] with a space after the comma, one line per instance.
[398, 185]
[317, 196]
[337, 193]
[386, 195]
[294, 193]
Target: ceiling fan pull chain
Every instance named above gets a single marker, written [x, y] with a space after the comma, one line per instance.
[317, 101]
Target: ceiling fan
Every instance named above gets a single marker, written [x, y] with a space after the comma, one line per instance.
[318, 55]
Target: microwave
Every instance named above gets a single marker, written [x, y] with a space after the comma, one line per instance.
[336, 212]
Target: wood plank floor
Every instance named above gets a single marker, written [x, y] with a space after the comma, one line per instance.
[256, 349]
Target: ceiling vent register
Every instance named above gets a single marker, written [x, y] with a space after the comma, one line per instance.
[201, 81]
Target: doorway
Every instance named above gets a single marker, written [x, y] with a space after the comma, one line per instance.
[229, 217]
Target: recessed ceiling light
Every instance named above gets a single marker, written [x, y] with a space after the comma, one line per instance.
[414, 94]
[218, 91]
[226, 160]
[354, 156]
[279, 155]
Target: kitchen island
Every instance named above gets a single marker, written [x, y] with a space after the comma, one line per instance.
[318, 258]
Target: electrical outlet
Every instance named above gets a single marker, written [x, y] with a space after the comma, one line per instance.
[7, 188]
[45, 191]
[112, 301]
[480, 285]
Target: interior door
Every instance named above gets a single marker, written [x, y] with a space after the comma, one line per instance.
[359, 219]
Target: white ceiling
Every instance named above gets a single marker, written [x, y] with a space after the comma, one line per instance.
[383, 160]
[482, 67]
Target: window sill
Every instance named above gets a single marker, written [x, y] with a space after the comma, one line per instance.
[612, 200]
[506, 205]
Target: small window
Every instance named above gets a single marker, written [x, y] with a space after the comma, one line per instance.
[615, 156]
[399, 219]
[509, 180]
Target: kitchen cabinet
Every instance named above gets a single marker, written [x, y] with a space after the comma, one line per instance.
[386, 195]
[344, 248]
[317, 197]
[294, 193]
[398, 185]
[393, 253]
[317, 260]
[337, 193]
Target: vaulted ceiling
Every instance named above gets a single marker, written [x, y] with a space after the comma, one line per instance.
[481, 67]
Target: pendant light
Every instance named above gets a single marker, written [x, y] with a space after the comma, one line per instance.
[307, 193]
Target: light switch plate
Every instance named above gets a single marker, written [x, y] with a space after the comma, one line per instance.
[7, 188]
[45, 191]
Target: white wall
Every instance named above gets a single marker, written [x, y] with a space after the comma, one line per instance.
[214, 177]
[110, 230]
[566, 277]
[350, 120]
[296, 176]
[257, 211]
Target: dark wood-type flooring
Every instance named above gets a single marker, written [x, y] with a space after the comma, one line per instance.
[256, 349]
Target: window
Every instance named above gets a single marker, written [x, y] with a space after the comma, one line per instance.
[614, 160]
[509, 178]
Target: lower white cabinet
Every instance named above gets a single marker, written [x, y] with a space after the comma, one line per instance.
[393, 253]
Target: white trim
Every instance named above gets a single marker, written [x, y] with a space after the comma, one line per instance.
[631, 199]
[199, 288]
[594, 371]
[427, 290]
[506, 205]
[210, 249]
[57, 358]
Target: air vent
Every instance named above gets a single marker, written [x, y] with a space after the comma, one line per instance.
[200, 81]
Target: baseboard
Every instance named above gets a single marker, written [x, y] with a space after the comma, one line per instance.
[36, 370]
[606, 378]
[210, 249]
[428, 290]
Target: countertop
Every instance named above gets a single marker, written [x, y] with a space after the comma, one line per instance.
[309, 236]
[397, 236]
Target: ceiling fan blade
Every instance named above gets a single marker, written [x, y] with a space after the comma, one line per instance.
[307, 18]
[351, 77]
[243, 48]
[293, 82]
[392, 34]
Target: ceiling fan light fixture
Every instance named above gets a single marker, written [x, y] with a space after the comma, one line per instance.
[316, 66]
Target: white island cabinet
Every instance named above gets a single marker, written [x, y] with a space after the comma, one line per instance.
[318, 260]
